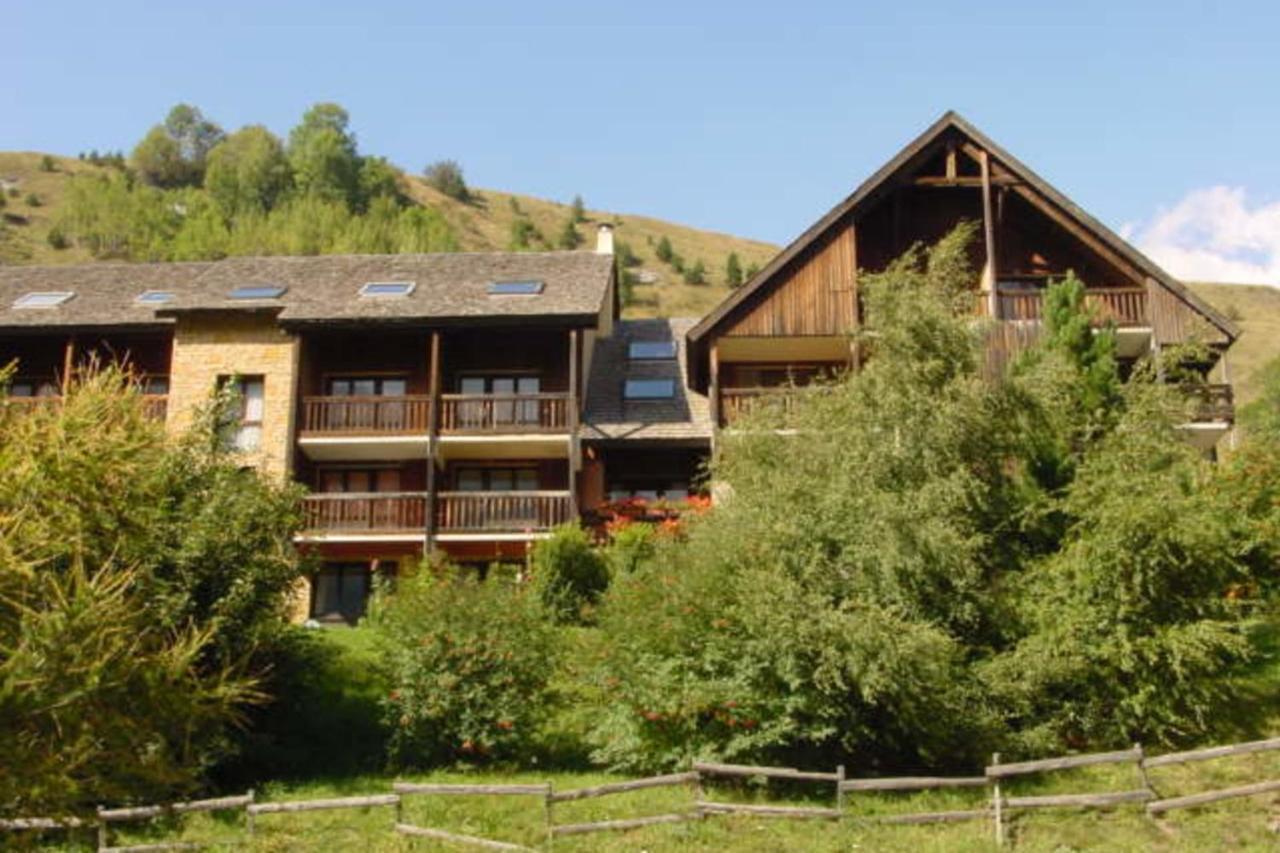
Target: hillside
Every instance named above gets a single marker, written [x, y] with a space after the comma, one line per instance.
[1256, 309]
[482, 224]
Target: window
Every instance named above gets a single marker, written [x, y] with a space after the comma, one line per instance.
[359, 480]
[33, 388]
[43, 299]
[155, 297]
[368, 386]
[258, 291]
[651, 350]
[387, 288]
[244, 432]
[515, 288]
[497, 480]
[504, 410]
[649, 389]
[157, 386]
[340, 591]
[649, 490]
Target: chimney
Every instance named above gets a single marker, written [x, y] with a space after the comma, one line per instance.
[604, 239]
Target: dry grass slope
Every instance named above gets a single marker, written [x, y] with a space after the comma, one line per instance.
[483, 224]
[1256, 308]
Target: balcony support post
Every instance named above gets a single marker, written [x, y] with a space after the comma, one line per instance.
[715, 386]
[433, 431]
[68, 363]
[989, 232]
[574, 398]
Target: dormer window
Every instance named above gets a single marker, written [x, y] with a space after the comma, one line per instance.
[258, 291]
[515, 288]
[651, 350]
[43, 299]
[649, 389]
[384, 289]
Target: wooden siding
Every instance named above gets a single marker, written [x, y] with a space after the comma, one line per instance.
[816, 296]
[1174, 321]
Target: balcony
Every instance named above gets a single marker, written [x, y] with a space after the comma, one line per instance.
[365, 516]
[356, 428]
[505, 426]
[1212, 416]
[737, 403]
[154, 406]
[1125, 307]
[487, 515]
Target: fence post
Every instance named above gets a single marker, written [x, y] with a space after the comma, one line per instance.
[248, 816]
[103, 839]
[698, 794]
[840, 790]
[1143, 778]
[548, 804]
[997, 803]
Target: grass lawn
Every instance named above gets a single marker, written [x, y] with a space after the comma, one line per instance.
[1243, 824]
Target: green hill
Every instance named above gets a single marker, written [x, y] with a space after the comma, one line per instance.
[484, 223]
[1256, 309]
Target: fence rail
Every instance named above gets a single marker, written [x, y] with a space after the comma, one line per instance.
[504, 414]
[365, 512]
[995, 776]
[371, 415]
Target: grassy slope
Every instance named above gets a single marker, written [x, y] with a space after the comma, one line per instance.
[1240, 824]
[1256, 309]
[483, 224]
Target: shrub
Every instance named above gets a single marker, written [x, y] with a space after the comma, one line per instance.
[696, 274]
[56, 238]
[578, 210]
[48, 164]
[33, 200]
[469, 663]
[664, 251]
[632, 545]
[569, 238]
[733, 271]
[569, 573]
[446, 176]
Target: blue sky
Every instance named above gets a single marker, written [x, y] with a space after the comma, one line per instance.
[1160, 118]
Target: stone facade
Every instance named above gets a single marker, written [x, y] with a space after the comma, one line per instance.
[210, 346]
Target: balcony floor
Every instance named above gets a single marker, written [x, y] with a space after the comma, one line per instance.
[364, 448]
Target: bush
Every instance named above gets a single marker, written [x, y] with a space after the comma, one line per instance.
[733, 271]
[33, 200]
[446, 176]
[696, 274]
[569, 573]
[56, 238]
[469, 663]
[569, 238]
[48, 164]
[664, 251]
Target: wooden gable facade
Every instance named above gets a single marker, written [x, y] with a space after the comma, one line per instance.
[800, 308]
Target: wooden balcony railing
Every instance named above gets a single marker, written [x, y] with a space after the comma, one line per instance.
[1214, 402]
[504, 413]
[365, 512]
[155, 406]
[365, 415]
[736, 403]
[1125, 306]
[498, 512]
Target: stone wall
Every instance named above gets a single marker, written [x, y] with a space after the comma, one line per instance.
[207, 347]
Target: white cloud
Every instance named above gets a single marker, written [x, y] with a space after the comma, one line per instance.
[1214, 234]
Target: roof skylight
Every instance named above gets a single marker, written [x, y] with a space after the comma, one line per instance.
[258, 291]
[387, 288]
[651, 350]
[43, 299]
[155, 297]
[515, 288]
[649, 389]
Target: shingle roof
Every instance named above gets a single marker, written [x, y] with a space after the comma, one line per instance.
[610, 417]
[323, 288]
[105, 293]
[447, 286]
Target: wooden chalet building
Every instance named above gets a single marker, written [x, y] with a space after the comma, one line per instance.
[468, 403]
[790, 323]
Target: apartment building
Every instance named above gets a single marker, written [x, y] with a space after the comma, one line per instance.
[468, 403]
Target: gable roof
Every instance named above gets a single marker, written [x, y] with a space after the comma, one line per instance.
[449, 287]
[871, 188]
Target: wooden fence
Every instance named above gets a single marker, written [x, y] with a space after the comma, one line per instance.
[996, 778]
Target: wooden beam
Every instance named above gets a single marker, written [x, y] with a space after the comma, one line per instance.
[855, 355]
[715, 385]
[974, 181]
[951, 160]
[575, 400]
[433, 432]
[989, 232]
[68, 363]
